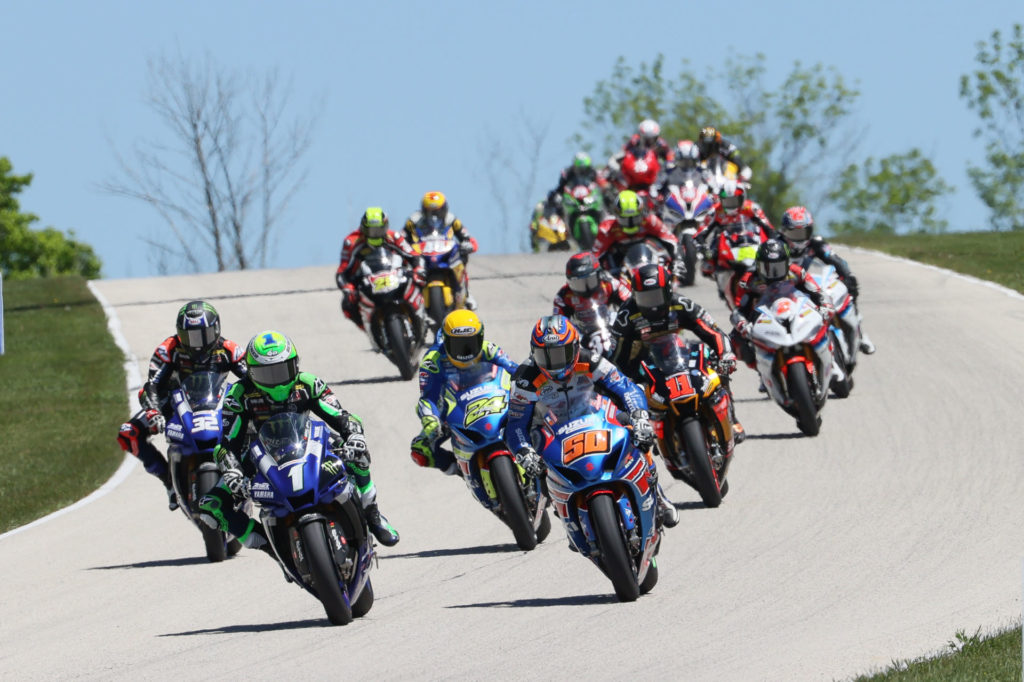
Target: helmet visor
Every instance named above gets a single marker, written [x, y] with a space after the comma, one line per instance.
[732, 202]
[554, 359]
[633, 221]
[773, 271]
[584, 285]
[274, 375]
[197, 339]
[375, 231]
[652, 298]
[797, 234]
[464, 348]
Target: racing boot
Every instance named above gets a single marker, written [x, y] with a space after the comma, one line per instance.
[667, 512]
[470, 302]
[866, 347]
[172, 497]
[379, 526]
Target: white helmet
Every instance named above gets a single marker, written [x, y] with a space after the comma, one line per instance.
[649, 130]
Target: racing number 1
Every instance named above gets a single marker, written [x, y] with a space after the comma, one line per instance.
[586, 443]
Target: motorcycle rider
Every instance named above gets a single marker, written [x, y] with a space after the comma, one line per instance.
[711, 143]
[434, 210]
[648, 137]
[587, 281]
[732, 207]
[372, 232]
[460, 349]
[797, 231]
[771, 265]
[631, 223]
[580, 172]
[653, 310]
[274, 385]
[197, 346]
[554, 378]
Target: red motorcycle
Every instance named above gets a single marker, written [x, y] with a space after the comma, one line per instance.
[730, 255]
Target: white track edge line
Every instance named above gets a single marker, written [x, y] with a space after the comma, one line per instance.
[133, 380]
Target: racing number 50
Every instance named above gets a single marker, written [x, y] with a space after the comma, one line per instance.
[587, 443]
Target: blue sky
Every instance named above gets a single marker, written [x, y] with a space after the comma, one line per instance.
[412, 91]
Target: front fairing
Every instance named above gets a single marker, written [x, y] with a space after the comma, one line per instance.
[195, 425]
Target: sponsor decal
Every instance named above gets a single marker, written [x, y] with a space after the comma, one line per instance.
[463, 331]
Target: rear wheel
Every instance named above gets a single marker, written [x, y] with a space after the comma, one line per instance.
[363, 605]
[399, 346]
[799, 385]
[689, 248]
[841, 388]
[604, 518]
[324, 573]
[691, 434]
[214, 539]
[513, 505]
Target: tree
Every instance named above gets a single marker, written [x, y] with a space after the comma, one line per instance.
[796, 135]
[995, 91]
[231, 154]
[27, 253]
[896, 194]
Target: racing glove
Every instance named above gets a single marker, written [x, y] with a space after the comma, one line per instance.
[852, 286]
[431, 427]
[531, 462]
[154, 421]
[727, 363]
[354, 450]
[236, 482]
[643, 431]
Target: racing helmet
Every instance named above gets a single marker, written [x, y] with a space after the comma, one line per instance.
[273, 364]
[555, 346]
[772, 261]
[731, 196]
[583, 273]
[629, 211]
[434, 204]
[374, 225]
[797, 228]
[463, 337]
[652, 289]
[649, 131]
[198, 327]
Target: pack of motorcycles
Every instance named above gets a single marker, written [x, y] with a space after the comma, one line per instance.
[596, 482]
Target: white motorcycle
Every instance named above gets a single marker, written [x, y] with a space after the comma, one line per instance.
[845, 324]
[794, 350]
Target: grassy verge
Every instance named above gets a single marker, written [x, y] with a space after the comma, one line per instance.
[62, 400]
[998, 257]
[969, 658]
[995, 256]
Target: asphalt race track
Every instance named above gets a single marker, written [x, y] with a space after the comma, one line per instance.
[899, 525]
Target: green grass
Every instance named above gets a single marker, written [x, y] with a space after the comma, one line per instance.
[968, 659]
[63, 397]
[995, 256]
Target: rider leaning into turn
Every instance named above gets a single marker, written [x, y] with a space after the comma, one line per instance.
[580, 172]
[654, 310]
[275, 385]
[797, 231]
[559, 374]
[434, 207]
[632, 222]
[585, 280]
[372, 233]
[460, 349]
[733, 207]
[196, 347]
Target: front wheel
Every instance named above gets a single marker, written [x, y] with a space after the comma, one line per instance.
[436, 307]
[214, 539]
[585, 230]
[505, 478]
[695, 445]
[604, 519]
[799, 386]
[324, 574]
[689, 249]
[399, 346]
[363, 605]
[842, 387]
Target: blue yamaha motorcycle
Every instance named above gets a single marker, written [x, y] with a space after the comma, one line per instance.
[315, 524]
[599, 484]
[192, 433]
[476, 415]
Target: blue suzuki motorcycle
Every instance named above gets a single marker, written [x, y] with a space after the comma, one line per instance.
[476, 414]
[315, 524]
[599, 484]
[192, 433]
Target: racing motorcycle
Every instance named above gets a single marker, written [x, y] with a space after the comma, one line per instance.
[845, 323]
[793, 348]
[445, 267]
[391, 308]
[594, 321]
[477, 413]
[548, 231]
[625, 257]
[731, 255]
[315, 523]
[192, 434]
[601, 489]
[687, 209]
[688, 397]
[583, 206]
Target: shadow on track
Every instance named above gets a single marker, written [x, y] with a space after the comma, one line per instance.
[578, 600]
[454, 551]
[368, 380]
[159, 563]
[689, 505]
[775, 436]
[256, 627]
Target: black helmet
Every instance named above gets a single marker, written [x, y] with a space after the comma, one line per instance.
[772, 261]
[583, 273]
[652, 289]
[198, 327]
